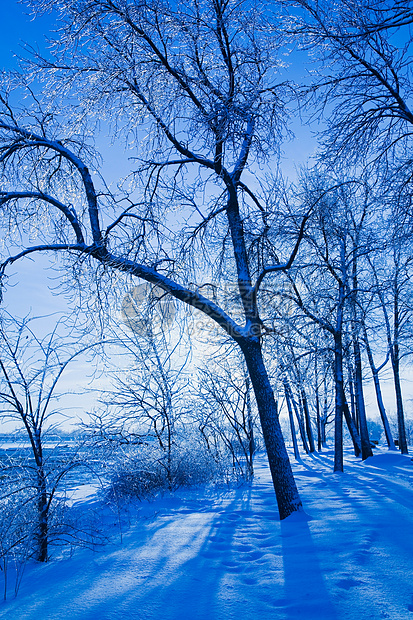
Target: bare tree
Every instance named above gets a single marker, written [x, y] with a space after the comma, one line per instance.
[364, 84]
[30, 371]
[196, 86]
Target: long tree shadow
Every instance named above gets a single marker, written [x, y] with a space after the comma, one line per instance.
[306, 595]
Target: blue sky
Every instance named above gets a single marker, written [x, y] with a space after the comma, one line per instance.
[18, 27]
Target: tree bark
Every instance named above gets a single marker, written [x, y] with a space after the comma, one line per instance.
[395, 359]
[393, 344]
[379, 397]
[317, 406]
[42, 514]
[285, 487]
[355, 437]
[352, 396]
[300, 422]
[291, 418]
[366, 450]
[399, 401]
[307, 421]
[250, 426]
[339, 405]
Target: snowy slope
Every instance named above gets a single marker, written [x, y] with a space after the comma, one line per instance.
[204, 556]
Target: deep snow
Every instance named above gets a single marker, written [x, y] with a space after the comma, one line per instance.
[203, 555]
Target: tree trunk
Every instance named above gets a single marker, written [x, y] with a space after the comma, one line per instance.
[298, 415]
[380, 404]
[317, 406]
[324, 419]
[307, 421]
[339, 405]
[286, 491]
[42, 514]
[393, 344]
[361, 410]
[352, 396]
[355, 437]
[399, 401]
[299, 420]
[379, 397]
[250, 431]
[395, 360]
[291, 418]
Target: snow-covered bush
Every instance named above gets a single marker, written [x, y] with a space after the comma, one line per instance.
[375, 430]
[144, 471]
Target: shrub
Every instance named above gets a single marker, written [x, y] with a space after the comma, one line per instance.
[142, 472]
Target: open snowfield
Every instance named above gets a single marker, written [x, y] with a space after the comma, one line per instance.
[225, 556]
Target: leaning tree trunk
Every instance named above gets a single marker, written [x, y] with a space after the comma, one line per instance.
[360, 407]
[307, 421]
[291, 418]
[286, 491]
[379, 397]
[300, 422]
[380, 404]
[352, 429]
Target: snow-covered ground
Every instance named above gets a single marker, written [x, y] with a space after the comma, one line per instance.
[225, 555]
